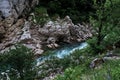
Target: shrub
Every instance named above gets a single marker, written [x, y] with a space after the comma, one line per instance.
[18, 61]
[41, 15]
[106, 31]
[58, 65]
[108, 71]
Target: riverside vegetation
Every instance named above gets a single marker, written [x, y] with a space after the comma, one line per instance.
[103, 15]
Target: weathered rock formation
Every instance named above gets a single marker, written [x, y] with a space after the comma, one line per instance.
[20, 33]
[16, 8]
[63, 30]
[16, 29]
[34, 37]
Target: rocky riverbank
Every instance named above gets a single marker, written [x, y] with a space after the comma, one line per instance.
[20, 28]
[33, 36]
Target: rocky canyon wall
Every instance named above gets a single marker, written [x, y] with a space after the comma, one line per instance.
[15, 29]
[16, 8]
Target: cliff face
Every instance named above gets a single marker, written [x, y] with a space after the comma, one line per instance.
[16, 8]
[14, 29]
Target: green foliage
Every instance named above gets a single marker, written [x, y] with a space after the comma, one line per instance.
[41, 15]
[94, 48]
[70, 74]
[106, 26]
[78, 10]
[58, 65]
[18, 61]
[109, 71]
[74, 73]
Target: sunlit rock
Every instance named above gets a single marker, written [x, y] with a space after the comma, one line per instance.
[26, 32]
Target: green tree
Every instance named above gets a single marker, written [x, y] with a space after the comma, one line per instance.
[78, 10]
[18, 61]
[104, 26]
